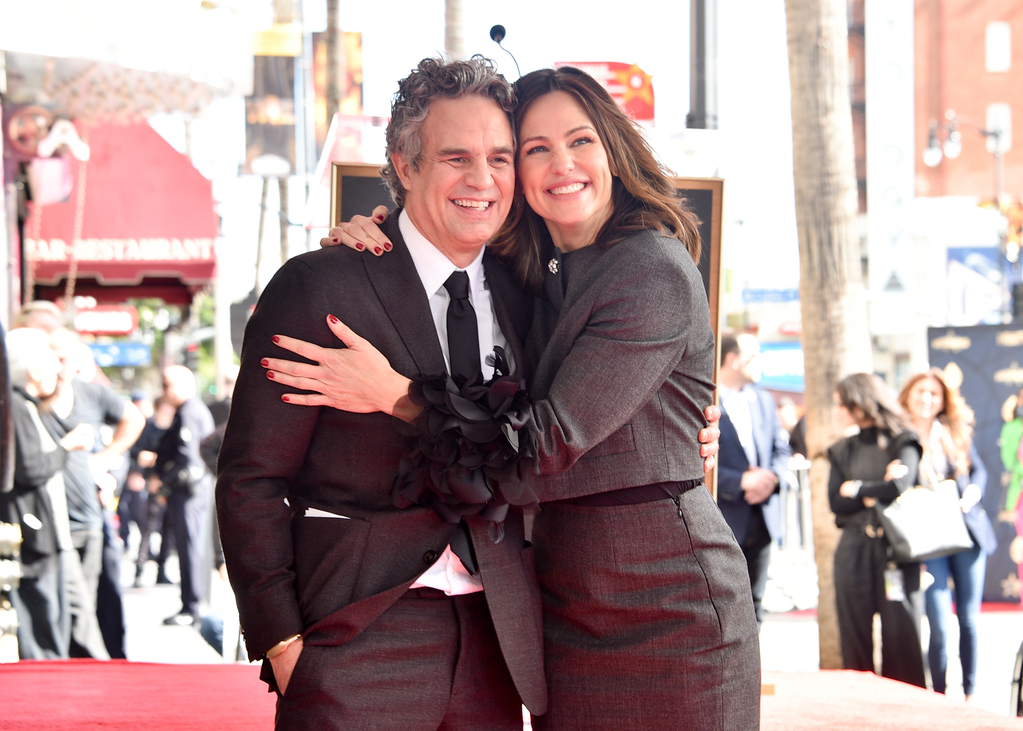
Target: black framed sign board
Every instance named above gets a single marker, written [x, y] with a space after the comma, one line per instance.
[356, 189]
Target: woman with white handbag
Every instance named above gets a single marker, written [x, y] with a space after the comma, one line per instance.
[945, 425]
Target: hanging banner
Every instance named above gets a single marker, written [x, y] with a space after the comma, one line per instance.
[628, 84]
[350, 81]
[986, 361]
[270, 111]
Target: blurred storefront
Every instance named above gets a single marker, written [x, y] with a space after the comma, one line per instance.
[146, 219]
[102, 205]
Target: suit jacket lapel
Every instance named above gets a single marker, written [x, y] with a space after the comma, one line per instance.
[396, 282]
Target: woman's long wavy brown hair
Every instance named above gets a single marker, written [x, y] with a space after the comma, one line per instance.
[955, 416]
[642, 194]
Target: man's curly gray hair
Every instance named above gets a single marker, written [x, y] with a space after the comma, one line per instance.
[436, 79]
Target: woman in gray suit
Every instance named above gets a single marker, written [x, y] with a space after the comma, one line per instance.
[647, 614]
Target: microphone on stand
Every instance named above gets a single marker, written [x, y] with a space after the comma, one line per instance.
[497, 34]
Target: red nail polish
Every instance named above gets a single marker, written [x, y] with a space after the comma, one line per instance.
[286, 399]
[265, 363]
[378, 218]
[333, 320]
[336, 240]
[377, 250]
[387, 246]
[359, 246]
[270, 374]
[276, 339]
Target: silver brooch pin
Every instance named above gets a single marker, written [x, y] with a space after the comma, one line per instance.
[553, 266]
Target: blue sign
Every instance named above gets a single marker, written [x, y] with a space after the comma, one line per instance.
[121, 354]
[750, 296]
[782, 367]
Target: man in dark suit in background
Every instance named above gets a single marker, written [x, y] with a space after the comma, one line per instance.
[181, 477]
[398, 631]
[753, 458]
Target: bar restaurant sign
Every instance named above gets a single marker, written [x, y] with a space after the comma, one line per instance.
[127, 260]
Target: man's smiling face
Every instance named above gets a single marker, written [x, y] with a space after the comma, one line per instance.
[462, 191]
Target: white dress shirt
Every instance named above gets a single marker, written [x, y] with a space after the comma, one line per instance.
[448, 574]
[737, 405]
[434, 269]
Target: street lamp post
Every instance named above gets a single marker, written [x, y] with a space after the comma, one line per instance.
[951, 147]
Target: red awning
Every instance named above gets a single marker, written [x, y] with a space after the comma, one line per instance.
[148, 226]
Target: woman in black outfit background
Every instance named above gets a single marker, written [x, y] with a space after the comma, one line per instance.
[874, 466]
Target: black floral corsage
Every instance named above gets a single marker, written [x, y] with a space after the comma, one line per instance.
[470, 451]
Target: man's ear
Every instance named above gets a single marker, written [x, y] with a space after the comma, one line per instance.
[403, 169]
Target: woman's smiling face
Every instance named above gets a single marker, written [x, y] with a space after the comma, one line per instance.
[926, 399]
[564, 170]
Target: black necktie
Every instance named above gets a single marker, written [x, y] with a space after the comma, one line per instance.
[464, 354]
[463, 335]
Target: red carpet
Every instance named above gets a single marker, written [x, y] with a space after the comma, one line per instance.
[86, 695]
[840, 700]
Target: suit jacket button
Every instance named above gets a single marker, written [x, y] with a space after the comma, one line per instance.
[430, 556]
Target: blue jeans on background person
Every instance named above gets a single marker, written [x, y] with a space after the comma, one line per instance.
[212, 630]
[966, 569]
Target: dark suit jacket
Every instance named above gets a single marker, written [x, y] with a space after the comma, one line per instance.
[331, 577]
[773, 452]
[179, 460]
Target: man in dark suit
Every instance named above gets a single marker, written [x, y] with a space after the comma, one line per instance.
[181, 477]
[366, 616]
[753, 458]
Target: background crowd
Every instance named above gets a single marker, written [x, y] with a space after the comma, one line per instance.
[90, 463]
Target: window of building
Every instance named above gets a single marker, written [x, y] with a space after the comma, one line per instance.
[998, 47]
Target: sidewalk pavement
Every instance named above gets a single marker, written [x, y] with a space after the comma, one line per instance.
[789, 637]
[788, 640]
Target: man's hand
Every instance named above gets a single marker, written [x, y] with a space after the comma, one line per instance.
[758, 484]
[708, 437]
[82, 436]
[284, 664]
[135, 482]
[155, 486]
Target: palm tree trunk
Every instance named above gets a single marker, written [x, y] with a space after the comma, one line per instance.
[285, 216]
[333, 61]
[454, 46]
[836, 341]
